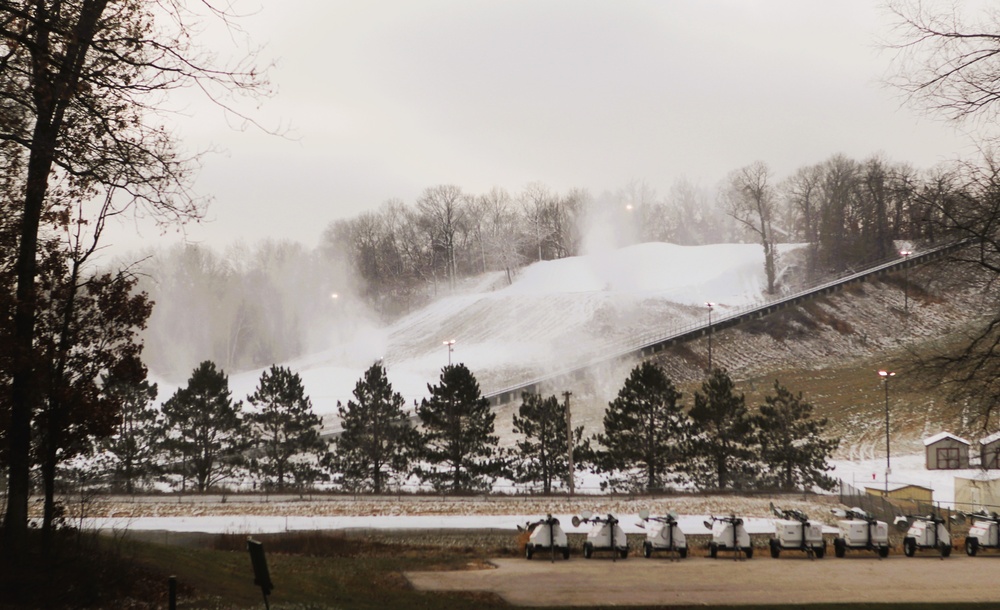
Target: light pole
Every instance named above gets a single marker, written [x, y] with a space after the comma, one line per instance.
[451, 347]
[888, 469]
[710, 305]
[906, 280]
[569, 445]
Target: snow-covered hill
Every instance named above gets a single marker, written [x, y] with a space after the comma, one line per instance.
[552, 314]
[557, 313]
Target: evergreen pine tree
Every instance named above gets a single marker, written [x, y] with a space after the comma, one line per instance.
[541, 456]
[132, 450]
[791, 441]
[458, 447]
[723, 428]
[378, 441]
[646, 432]
[204, 431]
[285, 430]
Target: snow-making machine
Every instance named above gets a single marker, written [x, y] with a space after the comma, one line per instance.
[663, 534]
[545, 534]
[924, 532]
[604, 535]
[984, 533]
[728, 534]
[793, 531]
[860, 530]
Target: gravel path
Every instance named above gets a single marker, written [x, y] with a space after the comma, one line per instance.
[857, 578]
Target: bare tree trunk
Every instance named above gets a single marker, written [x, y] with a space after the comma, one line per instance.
[52, 98]
[23, 376]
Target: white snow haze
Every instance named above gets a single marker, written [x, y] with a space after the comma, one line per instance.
[552, 313]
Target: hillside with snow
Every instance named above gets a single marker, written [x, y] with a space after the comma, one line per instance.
[555, 313]
[559, 313]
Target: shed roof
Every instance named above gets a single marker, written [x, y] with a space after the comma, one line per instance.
[896, 487]
[983, 476]
[990, 439]
[940, 436]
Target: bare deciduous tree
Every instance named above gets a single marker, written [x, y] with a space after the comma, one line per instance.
[801, 192]
[443, 209]
[750, 198]
[949, 61]
[80, 82]
[535, 201]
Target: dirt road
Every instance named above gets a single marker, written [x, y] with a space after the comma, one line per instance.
[703, 581]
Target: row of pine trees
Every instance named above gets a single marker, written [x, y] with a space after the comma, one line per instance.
[651, 440]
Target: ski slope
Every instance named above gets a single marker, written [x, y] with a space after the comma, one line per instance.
[552, 312]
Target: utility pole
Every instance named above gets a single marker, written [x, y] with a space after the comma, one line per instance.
[710, 305]
[906, 280]
[569, 443]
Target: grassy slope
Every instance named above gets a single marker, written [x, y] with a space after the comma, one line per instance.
[831, 350]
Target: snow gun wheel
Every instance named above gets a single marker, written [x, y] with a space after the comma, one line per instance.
[775, 551]
[683, 553]
[713, 550]
[820, 551]
[588, 551]
[647, 550]
[528, 551]
[883, 551]
[909, 547]
[945, 550]
[749, 552]
[565, 552]
[839, 547]
[971, 546]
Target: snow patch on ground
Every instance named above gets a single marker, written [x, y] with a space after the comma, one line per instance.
[256, 514]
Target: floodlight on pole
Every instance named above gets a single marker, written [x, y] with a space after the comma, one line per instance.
[888, 468]
[906, 279]
[451, 347]
[709, 305]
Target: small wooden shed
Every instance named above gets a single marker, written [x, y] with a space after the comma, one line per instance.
[989, 451]
[945, 451]
[903, 491]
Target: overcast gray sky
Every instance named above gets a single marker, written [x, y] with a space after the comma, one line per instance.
[386, 98]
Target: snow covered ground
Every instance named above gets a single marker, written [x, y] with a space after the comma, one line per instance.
[259, 514]
[256, 514]
[248, 516]
[243, 524]
[906, 470]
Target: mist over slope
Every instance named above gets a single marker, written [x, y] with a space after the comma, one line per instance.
[554, 314]
[557, 313]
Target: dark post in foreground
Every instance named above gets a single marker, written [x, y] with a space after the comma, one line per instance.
[261, 577]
